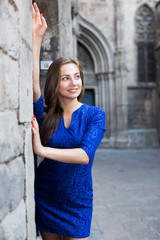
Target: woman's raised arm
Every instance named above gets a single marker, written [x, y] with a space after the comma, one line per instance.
[39, 27]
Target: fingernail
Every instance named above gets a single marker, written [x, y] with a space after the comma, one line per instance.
[34, 116]
[42, 15]
[32, 126]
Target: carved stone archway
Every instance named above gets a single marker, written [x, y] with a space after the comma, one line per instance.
[102, 54]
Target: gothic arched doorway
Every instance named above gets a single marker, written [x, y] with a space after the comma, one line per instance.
[87, 63]
[96, 56]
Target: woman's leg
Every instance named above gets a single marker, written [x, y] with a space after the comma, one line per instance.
[68, 238]
[50, 236]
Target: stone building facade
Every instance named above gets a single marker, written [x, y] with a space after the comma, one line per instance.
[128, 89]
[115, 42]
[118, 44]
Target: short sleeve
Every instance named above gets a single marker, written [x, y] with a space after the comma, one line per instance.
[94, 132]
[38, 109]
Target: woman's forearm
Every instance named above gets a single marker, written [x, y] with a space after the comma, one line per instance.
[36, 68]
[75, 155]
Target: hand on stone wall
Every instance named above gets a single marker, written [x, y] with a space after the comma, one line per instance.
[37, 146]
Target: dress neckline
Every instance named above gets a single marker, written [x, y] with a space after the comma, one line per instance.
[72, 117]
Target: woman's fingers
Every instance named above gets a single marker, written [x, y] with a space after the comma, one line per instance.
[36, 13]
[37, 146]
[33, 12]
[36, 9]
[43, 20]
[35, 125]
[39, 24]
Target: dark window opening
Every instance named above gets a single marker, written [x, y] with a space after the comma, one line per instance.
[145, 36]
[146, 62]
[89, 97]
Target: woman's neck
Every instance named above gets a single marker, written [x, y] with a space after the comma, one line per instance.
[69, 106]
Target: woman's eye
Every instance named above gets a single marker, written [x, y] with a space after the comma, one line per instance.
[77, 76]
[65, 78]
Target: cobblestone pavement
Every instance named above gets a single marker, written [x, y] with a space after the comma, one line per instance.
[126, 195]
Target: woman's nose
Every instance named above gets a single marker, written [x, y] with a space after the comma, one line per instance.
[73, 81]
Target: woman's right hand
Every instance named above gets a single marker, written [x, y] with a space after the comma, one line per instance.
[39, 24]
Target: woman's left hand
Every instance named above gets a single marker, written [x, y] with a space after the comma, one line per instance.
[37, 146]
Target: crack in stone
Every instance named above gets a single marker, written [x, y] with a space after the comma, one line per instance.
[26, 44]
[13, 4]
[6, 53]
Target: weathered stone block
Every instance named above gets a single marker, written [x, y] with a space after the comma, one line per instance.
[4, 190]
[9, 26]
[1, 81]
[143, 138]
[16, 172]
[14, 224]
[141, 108]
[2, 234]
[25, 20]
[65, 22]
[11, 142]
[26, 92]
[29, 168]
[101, 14]
[9, 80]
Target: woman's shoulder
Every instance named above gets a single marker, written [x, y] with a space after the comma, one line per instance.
[93, 109]
[39, 100]
[94, 113]
[38, 109]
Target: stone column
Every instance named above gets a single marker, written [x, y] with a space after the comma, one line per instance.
[121, 89]
[16, 104]
[158, 65]
[112, 110]
[65, 28]
[75, 25]
[106, 100]
[50, 44]
[103, 97]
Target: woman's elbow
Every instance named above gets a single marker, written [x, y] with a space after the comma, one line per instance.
[84, 158]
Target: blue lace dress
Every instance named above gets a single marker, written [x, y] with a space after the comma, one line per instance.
[63, 191]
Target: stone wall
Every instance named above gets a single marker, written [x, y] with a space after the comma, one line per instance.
[16, 155]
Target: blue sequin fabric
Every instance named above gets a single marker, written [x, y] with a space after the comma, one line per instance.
[63, 191]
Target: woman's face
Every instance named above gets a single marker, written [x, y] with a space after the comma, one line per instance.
[70, 85]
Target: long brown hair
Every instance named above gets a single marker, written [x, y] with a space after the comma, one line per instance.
[54, 111]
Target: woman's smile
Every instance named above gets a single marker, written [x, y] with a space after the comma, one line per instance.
[73, 90]
[70, 81]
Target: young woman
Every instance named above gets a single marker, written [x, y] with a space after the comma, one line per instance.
[69, 135]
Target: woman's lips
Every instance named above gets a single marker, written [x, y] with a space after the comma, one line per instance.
[73, 90]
